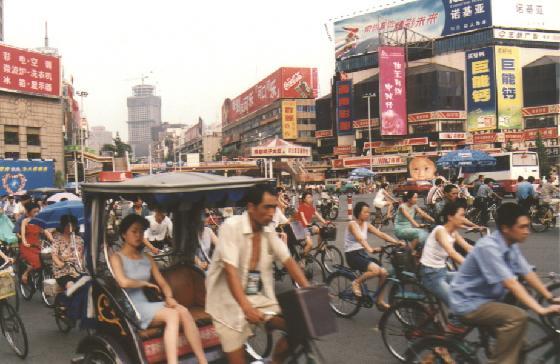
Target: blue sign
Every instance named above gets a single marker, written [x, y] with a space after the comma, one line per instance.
[465, 15]
[344, 107]
[22, 175]
[481, 89]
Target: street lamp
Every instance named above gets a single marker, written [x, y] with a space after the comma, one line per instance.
[368, 97]
[82, 94]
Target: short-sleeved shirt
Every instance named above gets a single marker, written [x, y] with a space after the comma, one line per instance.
[484, 191]
[547, 191]
[158, 231]
[524, 190]
[235, 248]
[64, 249]
[308, 212]
[480, 278]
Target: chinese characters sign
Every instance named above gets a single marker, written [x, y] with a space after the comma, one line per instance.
[289, 120]
[510, 89]
[526, 14]
[465, 15]
[392, 91]
[323, 133]
[19, 175]
[344, 107]
[29, 72]
[481, 92]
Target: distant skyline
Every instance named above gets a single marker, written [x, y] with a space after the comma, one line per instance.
[196, 54]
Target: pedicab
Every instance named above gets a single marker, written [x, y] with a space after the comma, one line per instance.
[118, 337]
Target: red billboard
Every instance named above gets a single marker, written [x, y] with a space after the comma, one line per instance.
[29, 72]
[392, 90]
[284, 83]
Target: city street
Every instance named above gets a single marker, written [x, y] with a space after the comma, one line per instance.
[357, 340]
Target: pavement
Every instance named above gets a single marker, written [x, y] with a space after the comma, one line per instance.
[357, 340]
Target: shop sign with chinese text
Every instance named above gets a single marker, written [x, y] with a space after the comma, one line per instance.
[452, 136]
[527, 35]
[510, 88]
[481, 99]
[377, 161]
[526, 14]
[344, 150]
[541, 110]
[323, 133]
[344, 107]
[289, 120]
[392, 91]
[363, 123]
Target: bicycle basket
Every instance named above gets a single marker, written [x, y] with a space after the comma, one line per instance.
[7, 284]
[46, 256]
[328, 233]
[403, 261]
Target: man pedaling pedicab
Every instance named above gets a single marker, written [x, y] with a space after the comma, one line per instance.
[240, 283]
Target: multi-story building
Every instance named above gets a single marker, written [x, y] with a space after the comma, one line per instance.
[144, 116]
[476, 74]
[1, 20]
[98, 137]
[201, 139]
[281, 105]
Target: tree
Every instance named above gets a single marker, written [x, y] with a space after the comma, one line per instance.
[509, 146]
[59, 180]
[543, 158]
[118, 148]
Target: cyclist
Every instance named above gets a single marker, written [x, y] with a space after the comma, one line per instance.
[240, 283]
[384, 199]
[406, 227]
[488, 273]
[483, 196]
[435, 194]
[305, 215]
[525, 193]
[159, 232]
[451, 194]
[549, 192]
[356, 249]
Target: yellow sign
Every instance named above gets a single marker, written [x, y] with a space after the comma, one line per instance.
[509, 88]
[289, 120]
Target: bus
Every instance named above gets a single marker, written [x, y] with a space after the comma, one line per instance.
[509, 166]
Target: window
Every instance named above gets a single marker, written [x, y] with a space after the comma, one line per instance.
[33, 136]
[452, 126]
[540, 122]
[524, 159]
[13, 155]
[306, 134]
[11, 135]
[34, 155]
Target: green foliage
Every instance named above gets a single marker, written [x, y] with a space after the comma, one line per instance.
[118, 148]
[543, 158]
[59, 180]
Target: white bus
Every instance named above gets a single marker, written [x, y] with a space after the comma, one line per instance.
[509, 166]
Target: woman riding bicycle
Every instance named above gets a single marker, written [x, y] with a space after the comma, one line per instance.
[30, 247]
[384, 199]
[406, 227]
[356, 249]
[438, 247]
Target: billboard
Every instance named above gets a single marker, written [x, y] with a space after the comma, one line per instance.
[392, 90]
[481, 92]
[510, 88]
[23, 175]
[432, 18]
[29, 72]
[526, 14]
[289, 120]
[284, 83]
[344, 107]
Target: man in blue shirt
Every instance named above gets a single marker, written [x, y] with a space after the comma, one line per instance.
[525, 193]
[489, 272]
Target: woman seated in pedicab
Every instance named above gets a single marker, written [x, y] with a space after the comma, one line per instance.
[133, 270]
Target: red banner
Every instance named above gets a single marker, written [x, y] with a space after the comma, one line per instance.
[284, 83]
[421, 116]
[437, 115]
[397, 143]
[515, 137]
[392, 90]
[377, 161]
[541, 110]
[29, 72]
[363, 123]
[323, 133]
[450, 136]
[337, 163]
[485, 138]
[344, 150]
[546, 133]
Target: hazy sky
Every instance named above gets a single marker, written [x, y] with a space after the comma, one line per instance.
[200, 52]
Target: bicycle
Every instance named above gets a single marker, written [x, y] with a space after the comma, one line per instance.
[313, 269]
[37, 277]
[542, 217]
[10, 323]
[379, 219]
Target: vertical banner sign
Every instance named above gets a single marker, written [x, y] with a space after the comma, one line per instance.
[392, 90]
[510, 88]
[481, 92]
[289, 120]
[344, 107]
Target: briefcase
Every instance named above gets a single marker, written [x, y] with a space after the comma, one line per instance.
[307, 313]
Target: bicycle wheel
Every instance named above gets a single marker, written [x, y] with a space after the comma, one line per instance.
[539, 221]
[540, 344]
[341, 298]
[14, 300]
[313, 270]
[552, 321]
[403, 323]
[13, 330]
[330, 257]
[47, 300]
[26, 290]
[440, 350]
[63, 323]
[259, 344]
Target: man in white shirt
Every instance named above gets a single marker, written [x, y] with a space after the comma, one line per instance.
[20, 206]
[436, 192]
[160, 231]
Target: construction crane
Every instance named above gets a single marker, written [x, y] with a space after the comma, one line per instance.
[142, 77]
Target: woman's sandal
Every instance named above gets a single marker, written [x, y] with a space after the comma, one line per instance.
[356, 289]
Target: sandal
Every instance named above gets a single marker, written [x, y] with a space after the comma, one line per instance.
[356, 289]
[382, 306]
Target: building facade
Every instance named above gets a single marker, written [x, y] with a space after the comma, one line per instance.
[144, 118]
[98, 137]
[201, 139]
[1, 20]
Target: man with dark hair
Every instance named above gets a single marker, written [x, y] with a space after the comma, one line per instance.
[20, 206]
[482, 200]
[305, 214]
[477, 183]
[451, 195]
[240, 283]
[488, 273]
[436, 193]
[526, 194]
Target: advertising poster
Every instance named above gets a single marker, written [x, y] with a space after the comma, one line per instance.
[481, 92]
[510, 88]
[526, 14]
[432, 18]
[23, 175]
[422, 169]
[392, 90]
[344, 107]
[289, 120]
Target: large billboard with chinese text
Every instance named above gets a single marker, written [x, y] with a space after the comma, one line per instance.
[23, 175]
[392, 91]
[526, 14]
[481, 89]
[344, 107]
[509, 88]
[289, 120]
[284, 83]
[432, 18]
[29, 72]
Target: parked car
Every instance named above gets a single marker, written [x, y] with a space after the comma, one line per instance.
[420, 187]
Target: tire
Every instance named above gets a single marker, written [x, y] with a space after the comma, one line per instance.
[14, 300]
[313, 270]
[539, 221]
[539, 347]
[423, 348]
[333, 214]
[63, 323]
[552, 321]
[47, 300]
[402, 324]
[330, 257]
[108, 354]
[13, 330]
[259, 345]
[26, 290]
[341, 298]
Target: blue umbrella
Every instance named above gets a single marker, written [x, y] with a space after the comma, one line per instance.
[50, 216]
[362, 172]
[466, 157]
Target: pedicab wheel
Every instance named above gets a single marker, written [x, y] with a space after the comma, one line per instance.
[341, 297]
[259, 345]
[330, 257]
[63, 323]
[439, 350]
[47, 299]
[539, 222]
[105, 354]
[13, 330]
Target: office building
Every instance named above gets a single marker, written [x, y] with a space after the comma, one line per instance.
[144, 114]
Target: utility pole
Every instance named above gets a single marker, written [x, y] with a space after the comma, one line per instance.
[82, 94]
[368, 97]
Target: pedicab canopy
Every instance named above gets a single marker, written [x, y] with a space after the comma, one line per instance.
[280, 148]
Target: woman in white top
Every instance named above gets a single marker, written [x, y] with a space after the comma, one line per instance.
[383, 199]
[438, 247]
[356, 249]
